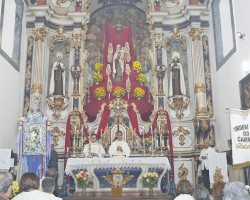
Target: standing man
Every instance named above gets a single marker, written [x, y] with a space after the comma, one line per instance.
[119, 148]
[93, 149]
[205, 162]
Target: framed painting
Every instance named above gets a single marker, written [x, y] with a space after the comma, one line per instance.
[34, 140]
[245, 92]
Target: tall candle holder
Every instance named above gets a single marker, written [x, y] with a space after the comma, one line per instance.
[134, 142]
[152, 142]
[82, 146]
[74, 145]
[161, 145]
[89, 150]
[143, 144]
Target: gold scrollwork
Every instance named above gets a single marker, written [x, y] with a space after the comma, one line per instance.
[126, 177]
[26, 106]
[175, 36]
[183, 172]
[200, 87]
[57, 105]
[77, 39]
[118, 105]
[195, 33]
[40, 34]
[218, 175]
[60, 37]
[181, 130]
[27, 76]
[210, 106]
[181, 136]
[55, 133]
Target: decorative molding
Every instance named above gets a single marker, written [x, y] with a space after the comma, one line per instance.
[60, 37]
[40, 34]
[195, 33]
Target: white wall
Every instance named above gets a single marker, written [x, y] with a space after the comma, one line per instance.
[10, 80]
[226, 79]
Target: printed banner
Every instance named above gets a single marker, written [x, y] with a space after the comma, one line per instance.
[240, 129]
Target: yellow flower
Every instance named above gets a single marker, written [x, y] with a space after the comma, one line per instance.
[100, 92]
[141, 78]
[97, 77]
[137, 66]
[139, 92]
[119, 92]
[98, 66]
[15, 189]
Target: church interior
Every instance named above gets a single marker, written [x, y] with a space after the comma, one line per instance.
[163, 73]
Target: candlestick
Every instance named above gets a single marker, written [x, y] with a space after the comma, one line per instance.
[101, 136]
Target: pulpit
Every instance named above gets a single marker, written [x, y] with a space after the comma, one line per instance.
[132, 169]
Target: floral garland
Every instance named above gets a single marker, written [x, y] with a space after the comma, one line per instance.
[98, 67]
[97, 77]
[141, 78]
[137, 66]
[139, 92]
[119, 92]
[100, 92]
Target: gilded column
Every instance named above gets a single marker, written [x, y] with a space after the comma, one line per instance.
[40, 34]
[160, 69]
[200, 90]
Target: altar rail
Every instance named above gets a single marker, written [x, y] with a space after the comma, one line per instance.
[102, 166]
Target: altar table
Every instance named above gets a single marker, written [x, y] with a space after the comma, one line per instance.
[136, 166]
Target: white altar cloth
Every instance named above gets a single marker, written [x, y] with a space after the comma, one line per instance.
[144, 163]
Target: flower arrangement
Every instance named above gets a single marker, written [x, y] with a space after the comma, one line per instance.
[139, 93]
[15, 189]
[100, 92]
[119, 92]
[137, 66]
[84, 180]
[150, 179]
[98, 67]
[148, 142]
[97, 77]
[141, 78]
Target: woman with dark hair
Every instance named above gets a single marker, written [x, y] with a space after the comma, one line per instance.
[29, 185]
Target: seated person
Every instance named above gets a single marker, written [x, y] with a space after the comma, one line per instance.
[119, 148]
[96, 149]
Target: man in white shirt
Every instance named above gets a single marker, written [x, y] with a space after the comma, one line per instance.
[93, 149]
[205, 163]
[119, 148]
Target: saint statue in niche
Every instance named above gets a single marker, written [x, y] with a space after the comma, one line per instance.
[118, 64]
[177, 81]
[57, 81]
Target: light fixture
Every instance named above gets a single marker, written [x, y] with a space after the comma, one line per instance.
[240, 35]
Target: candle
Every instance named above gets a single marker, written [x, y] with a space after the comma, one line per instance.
[67, 150]
[101, 135]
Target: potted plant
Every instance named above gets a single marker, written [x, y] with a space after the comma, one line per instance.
[150, 180]
[84, 180]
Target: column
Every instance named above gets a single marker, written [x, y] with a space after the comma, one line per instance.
[36, 83]
[200, 90]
